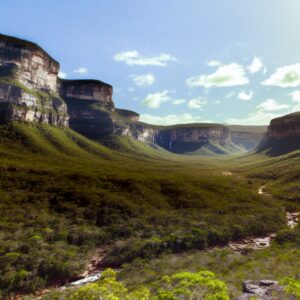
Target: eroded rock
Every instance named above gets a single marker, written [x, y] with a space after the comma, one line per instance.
[262, 290]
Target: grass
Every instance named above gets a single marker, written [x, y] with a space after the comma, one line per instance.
[63, 195]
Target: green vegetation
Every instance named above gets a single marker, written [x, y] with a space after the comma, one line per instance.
[184, 286]
[63, 195]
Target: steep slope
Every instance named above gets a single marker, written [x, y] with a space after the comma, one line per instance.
[28, 84]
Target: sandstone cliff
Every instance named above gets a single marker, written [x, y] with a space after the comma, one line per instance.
[192, 137]
[28, 84]
[31, 91]
[283, 135]
[248, 137]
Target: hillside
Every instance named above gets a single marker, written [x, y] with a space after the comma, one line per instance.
[64, 195]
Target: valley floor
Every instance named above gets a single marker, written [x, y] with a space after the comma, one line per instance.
[63, 196]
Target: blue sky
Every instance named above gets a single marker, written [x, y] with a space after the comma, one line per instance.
[174, 61]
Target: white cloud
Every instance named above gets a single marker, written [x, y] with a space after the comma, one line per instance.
[81, 70]
[287, 76]
[271, 105]
[256, 118]
[131, 89]
[178, 101]
[196, 103]
[295, 96]
[244, 96]
[62, 75]
[226, 75]
[156, 99]
[230, 95]
[135, 58]
[172, 119]
[143, 80]
[255, 66]
[214, 63]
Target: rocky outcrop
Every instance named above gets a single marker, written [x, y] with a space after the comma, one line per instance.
[29, 84]
[87, 91]
[262, 290]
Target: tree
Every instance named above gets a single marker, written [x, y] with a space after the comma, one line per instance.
[292, 288]
[193, 286]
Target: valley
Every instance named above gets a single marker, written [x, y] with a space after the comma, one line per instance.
[86, 187]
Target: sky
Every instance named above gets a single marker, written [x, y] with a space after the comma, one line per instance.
[174, 61]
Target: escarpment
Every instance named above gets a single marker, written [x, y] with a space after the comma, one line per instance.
[191, 137]
[283, 135]
[30, 90]
[287, 126]
[29, 84]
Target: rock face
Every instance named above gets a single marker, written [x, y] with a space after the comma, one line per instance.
[28, 84]
[89, 91]
[189, 138]
[285, 127]
[262, 290]
[283, 135]
[89, 104]
[248, 137]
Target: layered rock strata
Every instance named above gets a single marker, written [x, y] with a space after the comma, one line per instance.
[29, 84]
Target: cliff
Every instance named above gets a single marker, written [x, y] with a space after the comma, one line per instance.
[28, 84]
[283, 135]
[190, 138]
[247, 137]
[31, 91]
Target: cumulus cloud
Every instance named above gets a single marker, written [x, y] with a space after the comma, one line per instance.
[178, 101]
[135, 58]
[295, 96]
[143, 80]
[226, 75]
[214, 63]
[271, 105]
[245, 96]
[81, 70]
[287, 76]
[156, 99]
[62, 75]
[255, 118]
[255, 66]
[172, 119]
[196, 103]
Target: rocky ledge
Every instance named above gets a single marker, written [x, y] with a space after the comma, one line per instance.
[262, 290]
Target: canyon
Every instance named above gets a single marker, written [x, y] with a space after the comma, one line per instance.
[30, 90]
